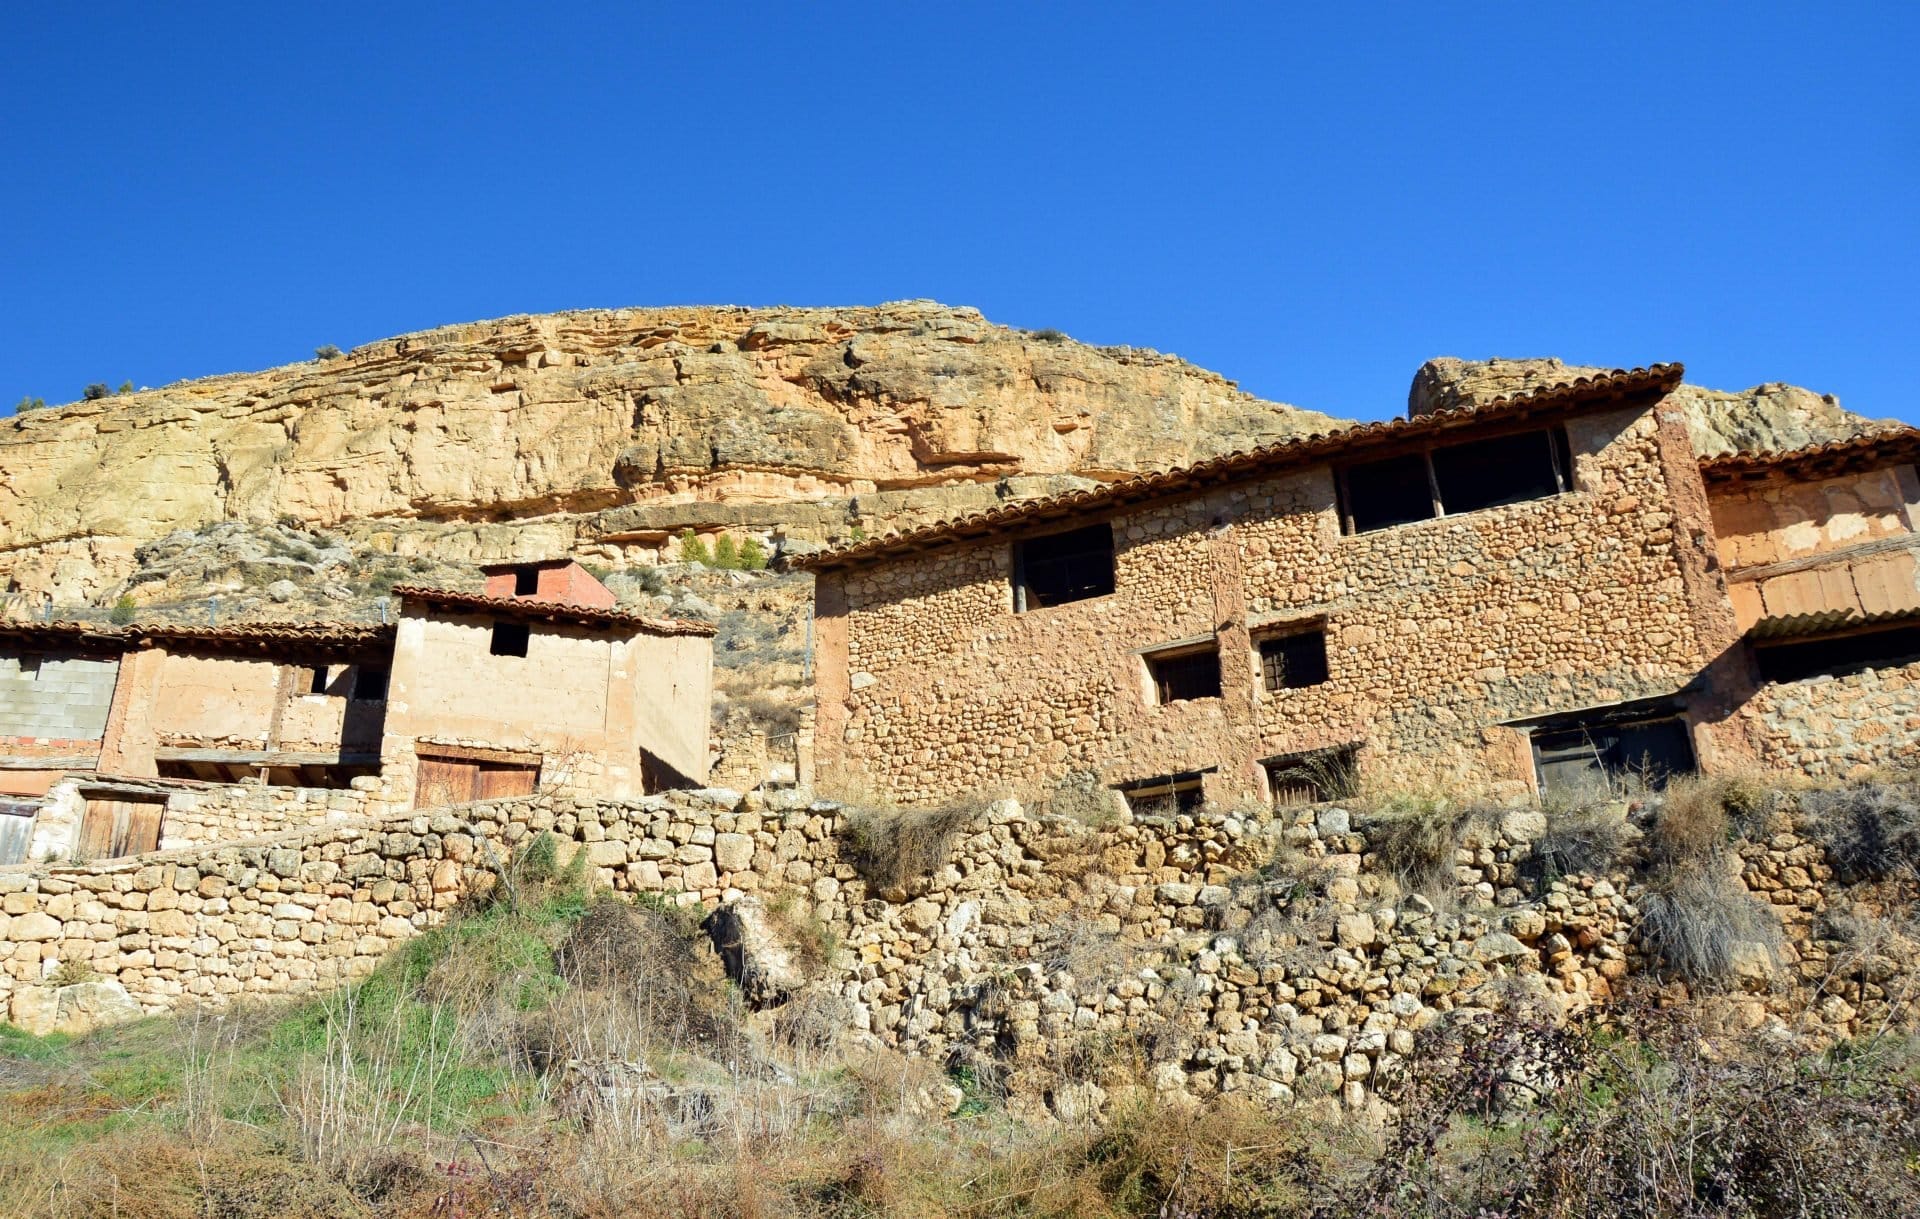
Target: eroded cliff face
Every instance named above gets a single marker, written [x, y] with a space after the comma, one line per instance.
[607, 432]
[1772, 416]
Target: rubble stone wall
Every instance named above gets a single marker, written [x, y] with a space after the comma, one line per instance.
[1270, 956]
[1436, 630]
[1839, 727]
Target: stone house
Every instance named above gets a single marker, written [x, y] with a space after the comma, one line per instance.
[1534, 592]
[120, 741]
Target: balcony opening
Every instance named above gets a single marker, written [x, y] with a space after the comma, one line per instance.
[1448, 480]
[1838, 655]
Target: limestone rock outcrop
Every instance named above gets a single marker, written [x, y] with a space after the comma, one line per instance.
[609, 429]
[1769, 416]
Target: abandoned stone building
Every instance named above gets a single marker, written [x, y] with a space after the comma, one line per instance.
[118, 741]
[1551, 589]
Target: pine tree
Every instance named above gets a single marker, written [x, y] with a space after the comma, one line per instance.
[725, 555]
[692, 549]
[753, 556]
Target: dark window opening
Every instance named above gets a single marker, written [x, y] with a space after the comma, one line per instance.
[509, 639]
[1314, 777]
[1390, 492]
[1184, 675]
[1455, 478]
[1838, 655]
[1291, 662]
[1165, 796]
[370, 684]
[317, 680]
[526, 581]
[1604, 758]
[1063, 567]
[1504, 470]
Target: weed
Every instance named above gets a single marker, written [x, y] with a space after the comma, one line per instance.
[893, 847]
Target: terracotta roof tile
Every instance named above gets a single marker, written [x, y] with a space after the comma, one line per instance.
[1660, 378]
[127, 638]
[1888, 446]
[538, 607]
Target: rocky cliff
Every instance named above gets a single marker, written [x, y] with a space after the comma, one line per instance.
[605, 433]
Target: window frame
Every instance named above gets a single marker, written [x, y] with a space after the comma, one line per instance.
[1176, 654]
[1186, 789]
[1559, 456]
[1019, 565]
[1279, 633]
[1340, 762]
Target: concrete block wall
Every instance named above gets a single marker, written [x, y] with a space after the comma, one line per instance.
[62, 698]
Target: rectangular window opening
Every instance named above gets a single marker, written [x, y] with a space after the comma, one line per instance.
[1503, 470]
[317, 680]
[1166, 795]
[1187, 674]
[1294, 660]
[1599, 758]
[509, 639]
[1455, 478]
[370, 684]
[1314, 777]
[526, 581]
[1063, 567]
[1837, 656]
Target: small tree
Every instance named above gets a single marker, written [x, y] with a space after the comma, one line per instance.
[692, 549]
[30, 404]
[326, 351]
[123, 609]
[126, 387]
[753, 556]
[95, 392]
[725, 555]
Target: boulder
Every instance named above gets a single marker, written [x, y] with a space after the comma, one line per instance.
[756, 954]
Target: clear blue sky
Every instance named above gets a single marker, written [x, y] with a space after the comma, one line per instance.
[1311, 199]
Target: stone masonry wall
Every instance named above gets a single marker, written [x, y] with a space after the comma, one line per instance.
[1839, 727]
[1435, 631]
[1269, 956]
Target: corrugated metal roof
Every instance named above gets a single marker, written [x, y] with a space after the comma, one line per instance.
[1231, 467]
[1795, 626]
[562, 611]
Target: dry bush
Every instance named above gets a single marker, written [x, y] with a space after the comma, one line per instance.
[801, 928]
[1698, 919]
[1083, 798]
[1417, 848]
[1582, 840]
[893, 847]
[1871, 831]
[642, 984]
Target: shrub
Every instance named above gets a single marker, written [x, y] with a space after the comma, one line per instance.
[326, 351]
[692, 549]
[29, 404]
[123, 610]
[893, 847]
[1048, 335]
[753, 555]
[725, 555]
[1418, 847]
[126, 387]
[95, 391]
[1698, 919]
[1586, 839]
[1871, 831]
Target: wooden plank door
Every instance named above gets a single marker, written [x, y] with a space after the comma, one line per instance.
[444, 781]
[16, 830]
[142, 827]
[112, 828]
[500, 779]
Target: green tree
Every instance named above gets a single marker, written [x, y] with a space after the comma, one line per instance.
[753, 556]
[30, 404]
[326, 351]
[123, 610]
[692, 549]
[725, 555]
[126, 387]
[96, 391]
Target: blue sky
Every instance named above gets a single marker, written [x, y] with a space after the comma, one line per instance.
[1310, 199]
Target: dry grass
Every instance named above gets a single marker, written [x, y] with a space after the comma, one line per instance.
[1871, 830]
[892, 848]
[1418, 847]
[1582, 839]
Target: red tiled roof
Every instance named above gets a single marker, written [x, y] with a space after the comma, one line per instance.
[1888, 446]
[1300, 450]
[127, 638]
[556, 611]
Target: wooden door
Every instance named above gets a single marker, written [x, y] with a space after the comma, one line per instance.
[16, 830]
[444, 781]
[500, 779]
[112, 828]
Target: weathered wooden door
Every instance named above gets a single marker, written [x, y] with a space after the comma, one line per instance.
[500, 779]
[112, 828]
[443, 781]
[16, 830]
